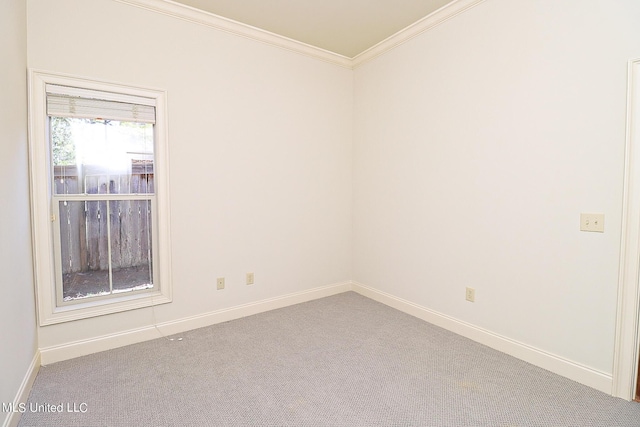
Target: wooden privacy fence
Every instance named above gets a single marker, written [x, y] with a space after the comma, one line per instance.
[85, 234]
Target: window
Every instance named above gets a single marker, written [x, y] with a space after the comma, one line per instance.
[99, 191]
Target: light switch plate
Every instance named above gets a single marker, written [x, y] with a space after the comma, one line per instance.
[592, 222]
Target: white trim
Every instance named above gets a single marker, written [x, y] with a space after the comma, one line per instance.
[430, 21]
[197, 16]
[558, 365]
[106, 342]
[41, 203]
[626, 355]
[22, 395]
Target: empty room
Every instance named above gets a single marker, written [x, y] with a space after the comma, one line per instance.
[327, 213]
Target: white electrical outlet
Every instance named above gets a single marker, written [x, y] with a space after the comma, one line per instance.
[249, 278]
[592, 222]
[220, 283]
[471, 295]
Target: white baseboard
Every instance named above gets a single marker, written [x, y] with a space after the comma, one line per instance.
[107, 342]
[558, 365]
[13, 418]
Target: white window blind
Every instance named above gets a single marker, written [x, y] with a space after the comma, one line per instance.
[64, 101]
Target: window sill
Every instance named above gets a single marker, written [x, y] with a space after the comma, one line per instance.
[102, 307]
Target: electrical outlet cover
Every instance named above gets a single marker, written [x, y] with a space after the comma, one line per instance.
[471, 295]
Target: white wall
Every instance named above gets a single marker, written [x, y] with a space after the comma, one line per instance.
[17, 314]
[260, 153]
[477, 146]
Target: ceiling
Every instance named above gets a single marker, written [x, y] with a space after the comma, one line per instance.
[345, 27]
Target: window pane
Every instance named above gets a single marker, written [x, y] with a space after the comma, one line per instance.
[100, 258]
[83, 249]
[101, 156]
[131, 245]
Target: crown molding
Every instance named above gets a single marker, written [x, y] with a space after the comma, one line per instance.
[430, 21]
[197, 16]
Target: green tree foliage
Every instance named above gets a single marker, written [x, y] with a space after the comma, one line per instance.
[64, 150]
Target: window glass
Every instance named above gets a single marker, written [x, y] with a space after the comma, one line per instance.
[105, 244]
[101, 156]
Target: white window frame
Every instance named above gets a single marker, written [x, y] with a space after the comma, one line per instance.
[43, 213]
